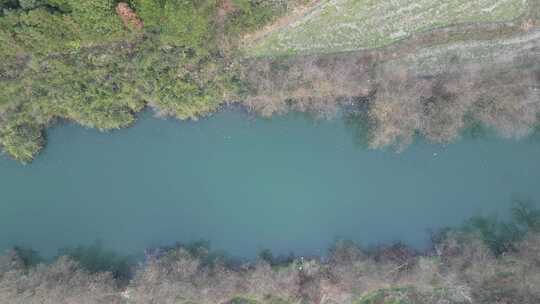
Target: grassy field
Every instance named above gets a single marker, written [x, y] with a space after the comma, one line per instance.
[344, 25]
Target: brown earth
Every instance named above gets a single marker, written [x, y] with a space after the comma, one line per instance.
[128, 16]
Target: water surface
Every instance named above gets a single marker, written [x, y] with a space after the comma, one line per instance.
[288, 184]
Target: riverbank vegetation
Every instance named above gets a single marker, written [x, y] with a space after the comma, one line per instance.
[97, 63]
[400, 92]
[80, 61]
[487, 260]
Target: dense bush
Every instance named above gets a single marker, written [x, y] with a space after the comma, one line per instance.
[501, 97]
[76, 60]
[60, 282]
[96, 259]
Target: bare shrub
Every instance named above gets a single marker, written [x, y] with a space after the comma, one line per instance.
[263, 281]
[461, 269]
[355, 273]
[179, 276]
[60, 282]
[270, 98]
[529, 251]
[313, 84]
[503, 97]
[10, 262]
[267, 106]
[510, 103]
[512, 278]
[397, 110]
[443, 113]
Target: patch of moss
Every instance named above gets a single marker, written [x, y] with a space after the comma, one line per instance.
[386, 296]
[242, 300]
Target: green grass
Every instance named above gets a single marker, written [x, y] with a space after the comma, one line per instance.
[386, 296]
[344, 25]
[242, 300]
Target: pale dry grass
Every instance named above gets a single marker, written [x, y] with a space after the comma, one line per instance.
[61, 282]
[345, 25]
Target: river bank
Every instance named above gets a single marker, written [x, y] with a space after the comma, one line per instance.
[444, 73]
[483, 261]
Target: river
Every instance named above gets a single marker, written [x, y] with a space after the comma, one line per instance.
[287, 184]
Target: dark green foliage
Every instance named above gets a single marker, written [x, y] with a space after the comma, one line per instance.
[387, 296]
[250, 15]
[201, 250]
[8, 5]
[240, 300]
[28, 256]
[269, 299]
[30, 4]
[358, 121]
[501, 236]
[474, 129]
[275, 261]
[267, 256]
[95, 258]
[526, 216]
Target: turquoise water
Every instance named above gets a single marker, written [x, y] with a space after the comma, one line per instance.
[288, 184]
